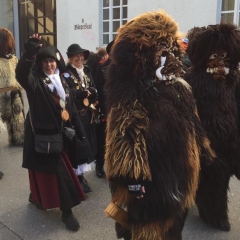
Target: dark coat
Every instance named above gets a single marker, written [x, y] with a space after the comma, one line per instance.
[101, 127]
[88, 148]
[100, 82]
[75, 85]
[93, 64]
[45, 114]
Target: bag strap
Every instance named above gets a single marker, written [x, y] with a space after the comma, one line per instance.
[33, 131]
[31, 121]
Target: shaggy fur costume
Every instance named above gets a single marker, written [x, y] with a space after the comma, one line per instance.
[154, 136]
[11, 103]
[214, 52]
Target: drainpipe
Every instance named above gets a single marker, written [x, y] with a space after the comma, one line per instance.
[16, 27]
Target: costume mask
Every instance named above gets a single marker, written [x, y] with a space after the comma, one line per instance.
[218, 64]
[166, 60]
[215, 49]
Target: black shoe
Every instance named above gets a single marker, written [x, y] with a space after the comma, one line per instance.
[38, 206]
[84, 184]
[99, 172]
[70, 221]
[1, 175]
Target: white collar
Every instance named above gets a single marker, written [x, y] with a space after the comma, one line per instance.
[56, 81]
[80, 71]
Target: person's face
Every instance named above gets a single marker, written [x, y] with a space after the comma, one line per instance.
[77, 60]
[49, 65]
[105, 56]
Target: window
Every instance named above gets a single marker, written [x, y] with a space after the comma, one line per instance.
[37, 16]
[230, 11]
[114, 15]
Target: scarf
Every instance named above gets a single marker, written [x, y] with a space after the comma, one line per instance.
[56, 81]
[80, 71]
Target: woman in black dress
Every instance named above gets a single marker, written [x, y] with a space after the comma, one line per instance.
[80, 81]
[53, 182]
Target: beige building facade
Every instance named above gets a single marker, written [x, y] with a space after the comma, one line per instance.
[94, 23]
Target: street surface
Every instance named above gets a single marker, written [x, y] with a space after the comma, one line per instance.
[20, 220]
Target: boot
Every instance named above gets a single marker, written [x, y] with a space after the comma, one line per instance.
[70, 221]
[100, 172]
[122, 232]
[84, 184]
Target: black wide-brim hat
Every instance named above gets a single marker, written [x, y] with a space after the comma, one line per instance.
[51, 52]
[74, 49]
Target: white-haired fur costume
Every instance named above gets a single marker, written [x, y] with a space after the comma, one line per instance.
[11, 103]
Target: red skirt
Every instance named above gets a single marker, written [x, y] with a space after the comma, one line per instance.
[61, 189]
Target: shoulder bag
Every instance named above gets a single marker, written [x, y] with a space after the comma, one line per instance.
[47, 144]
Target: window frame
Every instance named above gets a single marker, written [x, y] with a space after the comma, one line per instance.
[25, 30]
[235, 11]
[111, 33]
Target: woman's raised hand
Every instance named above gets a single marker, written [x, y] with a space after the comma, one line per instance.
[32, 46]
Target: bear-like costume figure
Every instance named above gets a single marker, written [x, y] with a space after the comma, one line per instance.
[214, 53]
[154, 138]
[11, 103]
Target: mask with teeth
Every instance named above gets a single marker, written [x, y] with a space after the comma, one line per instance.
[215, 49]
[218, 64]
[166, 60]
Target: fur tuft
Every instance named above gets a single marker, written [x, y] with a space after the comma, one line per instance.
[145, 30]
[128, 133]
[224, 36]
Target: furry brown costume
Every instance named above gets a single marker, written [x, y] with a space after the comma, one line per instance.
[190, 35]
[11, 103]
[154, 137]
[214, 52]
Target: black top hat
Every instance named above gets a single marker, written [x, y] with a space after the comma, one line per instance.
[74, 49]
[51, 52]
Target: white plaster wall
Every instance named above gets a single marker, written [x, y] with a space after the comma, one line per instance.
[6, 14]
[62, 26]
[188, 13]
[72, 12]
